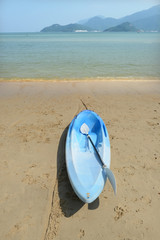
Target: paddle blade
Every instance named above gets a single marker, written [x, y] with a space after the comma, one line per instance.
[112, 179]
[84, 129]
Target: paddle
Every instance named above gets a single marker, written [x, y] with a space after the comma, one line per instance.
[85, 130]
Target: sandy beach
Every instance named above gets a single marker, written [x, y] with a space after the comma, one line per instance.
[36, 199]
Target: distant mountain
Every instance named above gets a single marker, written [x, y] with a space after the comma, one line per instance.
[83, 21]
[153, 11]
[124, 27]
[151, 23]
[147, 20]
[99, 24]
[66, 28]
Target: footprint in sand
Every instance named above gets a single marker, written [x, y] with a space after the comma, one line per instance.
[119, 212]
[82, 233]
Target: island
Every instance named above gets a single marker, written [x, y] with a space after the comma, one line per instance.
[66, 28]
[124, 27]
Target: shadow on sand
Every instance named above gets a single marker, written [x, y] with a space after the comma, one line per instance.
[69, 202]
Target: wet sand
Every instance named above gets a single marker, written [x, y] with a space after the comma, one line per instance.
[37, 201]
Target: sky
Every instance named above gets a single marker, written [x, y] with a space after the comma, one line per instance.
[33, 15]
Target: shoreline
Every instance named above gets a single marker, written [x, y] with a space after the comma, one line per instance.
[66, 88]
[96, 79]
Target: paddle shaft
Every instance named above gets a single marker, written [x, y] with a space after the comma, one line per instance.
[104, 166]
[84, 130]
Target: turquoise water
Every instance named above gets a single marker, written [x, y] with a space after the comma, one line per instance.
[79, 55]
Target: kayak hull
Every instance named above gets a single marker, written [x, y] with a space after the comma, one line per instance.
[86, 173]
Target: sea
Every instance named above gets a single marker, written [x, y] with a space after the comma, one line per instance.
[79, 55]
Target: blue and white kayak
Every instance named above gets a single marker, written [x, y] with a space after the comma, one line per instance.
[87, 154]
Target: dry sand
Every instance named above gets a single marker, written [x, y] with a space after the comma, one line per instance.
[36, 199]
